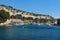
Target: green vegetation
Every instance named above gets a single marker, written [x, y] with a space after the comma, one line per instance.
[18, 16]
[31, 20]
[4, 16]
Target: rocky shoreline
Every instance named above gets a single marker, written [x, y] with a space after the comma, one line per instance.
[19, 17]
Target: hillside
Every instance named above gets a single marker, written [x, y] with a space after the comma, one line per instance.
[27, 17]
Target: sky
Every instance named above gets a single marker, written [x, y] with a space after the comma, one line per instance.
[47, 7]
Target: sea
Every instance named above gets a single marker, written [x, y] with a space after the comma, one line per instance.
[30, 32]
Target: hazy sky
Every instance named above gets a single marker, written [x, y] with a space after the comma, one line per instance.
[48, 7]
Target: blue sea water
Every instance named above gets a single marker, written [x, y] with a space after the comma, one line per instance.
[30, 32]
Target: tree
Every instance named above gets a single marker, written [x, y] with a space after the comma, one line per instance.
[18, 16]
[12, 16]
[29, 18]
[36, 20]
[43, 20]
[24, 18]
[4, 16]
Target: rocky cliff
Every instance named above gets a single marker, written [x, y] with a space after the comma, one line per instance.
[27, 16]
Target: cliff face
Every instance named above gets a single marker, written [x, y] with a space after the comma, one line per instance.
[58, 21]
[13, 12]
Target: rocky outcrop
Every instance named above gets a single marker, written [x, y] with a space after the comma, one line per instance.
[14, 12]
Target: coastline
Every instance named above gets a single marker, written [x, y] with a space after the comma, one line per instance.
[20, 17]
[10, 23]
